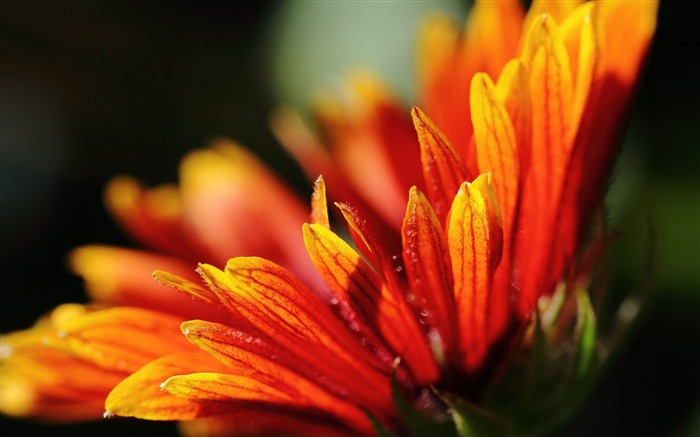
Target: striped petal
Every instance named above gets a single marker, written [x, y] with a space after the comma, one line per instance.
[427, 261]
[443, 170]
[475, 240]
[551, 91]
[378, 312]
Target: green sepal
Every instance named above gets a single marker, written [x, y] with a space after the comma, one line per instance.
[471, 420]
[586, 335]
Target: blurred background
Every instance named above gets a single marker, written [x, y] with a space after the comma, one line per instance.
[92, 89]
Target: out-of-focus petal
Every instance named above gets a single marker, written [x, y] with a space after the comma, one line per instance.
[120, 276]
[123, 338]
[227, 196]
[151, 216]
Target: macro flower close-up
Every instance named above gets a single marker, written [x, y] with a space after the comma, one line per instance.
[449, 275]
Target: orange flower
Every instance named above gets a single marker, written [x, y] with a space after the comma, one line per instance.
[459, 293]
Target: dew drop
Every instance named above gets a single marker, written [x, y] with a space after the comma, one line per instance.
[107, 414]
[334, 301]
[162, 386]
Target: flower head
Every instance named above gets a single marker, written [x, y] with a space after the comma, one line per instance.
[467, 283]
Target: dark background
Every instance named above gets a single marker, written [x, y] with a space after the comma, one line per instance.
[93, 89]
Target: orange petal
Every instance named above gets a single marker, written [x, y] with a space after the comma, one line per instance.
[366, 129]
[319, 206]
[124, 277]
[446, 93]
[427, 261]
[285, 309]
[372, 308]
[262, 382]
[475, 241]
[150, 216]
[330, 371]
[443, 170]
[42, 379]
[551, 91]
[512, 88]
[226, 189]
[495, 143]
[296, 137]
[123, 339]
[497, 154]
[192, 288]
[558, 10]
[140, 395]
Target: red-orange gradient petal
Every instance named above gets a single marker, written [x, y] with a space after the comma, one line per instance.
[330, 372]
[119, 276]
[151, 216]
[428, 267]
[551, 92]
[374, 309]
[287, 311]
[227, 193]
[443, 170]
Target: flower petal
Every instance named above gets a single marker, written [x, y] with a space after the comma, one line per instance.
[443, 170]
[42, 379]
[140, 394]
[497, 154]
[512, 88]
[475, 240]
[151, 216]
[427, 261]
[319, 206]
[446, 92]
[551, 91]
[267, 385]
[123, 277]
[123, 338]
[226, 190]
[372, 307]
[284, 309]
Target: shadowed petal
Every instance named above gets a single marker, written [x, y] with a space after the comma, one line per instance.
[362, 291]
[428, 267]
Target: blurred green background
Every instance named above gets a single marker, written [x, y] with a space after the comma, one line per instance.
[90, 89]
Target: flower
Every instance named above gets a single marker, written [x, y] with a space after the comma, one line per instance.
[467, 303]
[223, 188]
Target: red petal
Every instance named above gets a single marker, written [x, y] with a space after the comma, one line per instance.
[443, 170]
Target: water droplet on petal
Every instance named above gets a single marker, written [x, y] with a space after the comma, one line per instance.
[107, 414]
